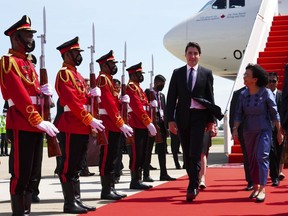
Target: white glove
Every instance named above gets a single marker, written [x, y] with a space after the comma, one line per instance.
[95, 92]
[154, 103]
[48, 127]
[125, 99]
[152, 129]
[97, 125]
[46, 89]
[127, 130]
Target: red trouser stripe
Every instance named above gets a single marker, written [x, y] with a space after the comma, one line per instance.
[66, 162]
[105, 155]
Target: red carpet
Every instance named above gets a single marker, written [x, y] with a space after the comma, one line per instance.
[223, 196]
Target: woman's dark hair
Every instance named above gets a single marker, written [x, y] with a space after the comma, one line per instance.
[259, 73]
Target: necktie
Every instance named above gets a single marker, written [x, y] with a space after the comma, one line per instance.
[190, 78]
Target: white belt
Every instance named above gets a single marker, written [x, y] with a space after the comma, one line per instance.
[103, 112]
[146, 108]
[35, 100]
[67, 109]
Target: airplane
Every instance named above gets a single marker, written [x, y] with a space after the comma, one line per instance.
[222, 28]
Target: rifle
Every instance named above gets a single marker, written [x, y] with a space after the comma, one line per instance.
[124, 106]
[52, 142]
[153, 110]
[101, 136]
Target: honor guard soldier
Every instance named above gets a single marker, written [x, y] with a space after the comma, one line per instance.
[25, 127]
[141, 123]
[114, 125]
[74, 123]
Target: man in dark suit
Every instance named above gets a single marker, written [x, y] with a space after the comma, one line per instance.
[192, 118]
[159, 82]
[233, 105]
[276, 148]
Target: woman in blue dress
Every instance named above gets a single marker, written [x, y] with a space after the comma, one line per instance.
[257, 109]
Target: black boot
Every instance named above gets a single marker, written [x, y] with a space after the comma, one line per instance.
[106, 192]
[27, 202]
[114, 190]
[78, 197]
[70, 204]
[136, 183]
[17, 205]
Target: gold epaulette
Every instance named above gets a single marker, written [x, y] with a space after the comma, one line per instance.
[132, 86]
[64, 74]
[102, 81]
[6, 63]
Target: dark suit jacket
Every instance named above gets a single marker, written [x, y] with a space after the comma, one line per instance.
[163, 104]
[179, 97]
[233, 105]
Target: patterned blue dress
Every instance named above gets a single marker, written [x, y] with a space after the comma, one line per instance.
[258, 112]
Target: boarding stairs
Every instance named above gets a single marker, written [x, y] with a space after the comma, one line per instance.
[273, 59]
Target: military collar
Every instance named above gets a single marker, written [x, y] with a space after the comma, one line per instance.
[17, 54]
[68, 66]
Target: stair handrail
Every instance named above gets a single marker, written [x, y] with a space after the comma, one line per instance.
[256, 43]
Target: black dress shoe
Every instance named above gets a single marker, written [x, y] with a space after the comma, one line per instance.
[35, 199]
[139, 185]
[152, 168]
[275, 182]
[147, 179]
[167, 178]
[191, 194]
[86, 173]
[249, 187]
[118, 194]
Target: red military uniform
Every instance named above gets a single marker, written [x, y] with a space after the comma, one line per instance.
[139, 117]
[109, 112]
[18, 76]
[138, 120]
[20, 88]
[73, 96]
[110, 105]
[73, 124]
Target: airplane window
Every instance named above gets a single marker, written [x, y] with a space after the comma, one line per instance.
[207, 5]
[236, 3]
[220, 4]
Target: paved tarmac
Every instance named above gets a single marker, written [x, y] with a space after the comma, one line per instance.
[50, 189]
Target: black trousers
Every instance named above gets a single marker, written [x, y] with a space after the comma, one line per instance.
[175, 145]
[118, 166]
[109, 153]
[25, 160]
[73, 147]
[4, 144]
[275, 156]
[137, 150]
[161, 151]
[192, 141]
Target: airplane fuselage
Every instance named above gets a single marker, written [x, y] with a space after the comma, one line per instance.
[221, 30]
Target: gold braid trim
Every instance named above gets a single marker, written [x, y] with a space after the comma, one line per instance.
[34, 117]
[86, 117]
[69, 74]
[134, 87]
[145, 119]
[13, 62]
[119, 121]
